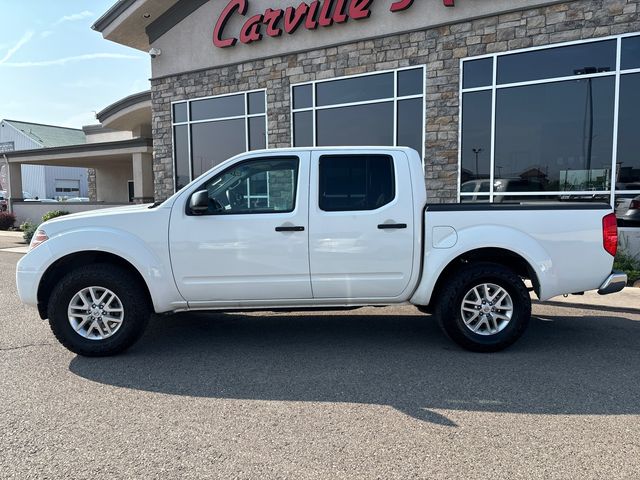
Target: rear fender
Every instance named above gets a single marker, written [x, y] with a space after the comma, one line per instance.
[487, 236]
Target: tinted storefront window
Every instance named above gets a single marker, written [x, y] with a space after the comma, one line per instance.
[208, 131]
[359, 125]
[303, 129]
[553, 131]
[410, 82]
[180, 113]
[257, 133]
[303, 96]
[558, 62]
[631, 52]
[476, 141]
[478, 73]
[358, 89]
[372, 114]
[410, 131]
[222, 107]
[214, 142]
[628, 161]
[555, 136]
[181, 155]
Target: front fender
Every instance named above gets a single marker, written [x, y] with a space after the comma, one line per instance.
[150, 259]
[487, 236]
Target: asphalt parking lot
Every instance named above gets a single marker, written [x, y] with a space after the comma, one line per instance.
[378, 393]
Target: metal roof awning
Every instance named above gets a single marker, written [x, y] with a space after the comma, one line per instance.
[128, 113]
[89, 155]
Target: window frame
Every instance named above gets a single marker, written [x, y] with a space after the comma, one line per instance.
[188, 123]
[395, 99]
[494, 87]
[202, 186]
[341, 155]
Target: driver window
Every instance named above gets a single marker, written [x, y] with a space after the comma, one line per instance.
[256, 186]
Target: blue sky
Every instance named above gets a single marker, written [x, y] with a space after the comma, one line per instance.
[54, 69]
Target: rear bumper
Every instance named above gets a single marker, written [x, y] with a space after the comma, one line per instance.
[614, 283]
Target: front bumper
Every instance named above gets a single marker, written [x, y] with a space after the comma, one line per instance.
[29, 272]
[614, 283]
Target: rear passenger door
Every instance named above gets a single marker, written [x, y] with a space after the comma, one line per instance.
[361, 228]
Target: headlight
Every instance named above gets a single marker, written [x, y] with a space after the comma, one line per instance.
[38, 239]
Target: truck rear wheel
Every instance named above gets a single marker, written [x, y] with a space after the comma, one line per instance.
[484, 307]
[98, 310]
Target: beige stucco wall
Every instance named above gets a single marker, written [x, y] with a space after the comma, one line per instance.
[109, 136]
[33, 211]
[189, 45]
[111, 182]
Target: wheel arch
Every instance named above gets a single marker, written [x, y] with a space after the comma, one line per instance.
[500, 256]
[69, 262]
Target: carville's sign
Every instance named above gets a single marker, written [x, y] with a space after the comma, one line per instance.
[275, 22]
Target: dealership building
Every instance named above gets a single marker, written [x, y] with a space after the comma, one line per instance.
[504, 99]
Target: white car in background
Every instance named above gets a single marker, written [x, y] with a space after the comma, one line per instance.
[628, 210]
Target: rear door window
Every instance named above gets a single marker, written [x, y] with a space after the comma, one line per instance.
[356, 182]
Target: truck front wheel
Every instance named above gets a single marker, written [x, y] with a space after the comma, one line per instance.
[484, 307]
[98, 310]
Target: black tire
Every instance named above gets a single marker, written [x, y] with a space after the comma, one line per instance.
[461, 282]
[128, 290]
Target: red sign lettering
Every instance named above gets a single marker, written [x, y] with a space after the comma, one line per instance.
[241, 6]
[312, 15]
[293, 17]
[401, 5]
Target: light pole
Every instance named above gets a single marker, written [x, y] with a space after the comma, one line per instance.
[477, 151]
[589, 114]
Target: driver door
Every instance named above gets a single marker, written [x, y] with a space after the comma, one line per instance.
[251, 244]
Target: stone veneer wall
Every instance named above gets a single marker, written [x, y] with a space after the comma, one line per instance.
[440, 49]
[91, 185]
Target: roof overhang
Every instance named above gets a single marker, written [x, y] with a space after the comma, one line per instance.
[126, 22]
[89, 155]
[127, 114]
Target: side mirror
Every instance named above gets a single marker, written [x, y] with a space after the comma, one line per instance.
[199, 203]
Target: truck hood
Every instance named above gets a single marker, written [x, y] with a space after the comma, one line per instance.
[128, 218]
[102, 212]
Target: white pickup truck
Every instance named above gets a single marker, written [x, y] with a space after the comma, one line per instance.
[314, 228]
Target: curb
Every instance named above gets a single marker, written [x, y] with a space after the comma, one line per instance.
[6, 233]
[628, 300]
[22, 250]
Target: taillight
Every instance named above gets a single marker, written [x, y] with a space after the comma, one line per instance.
[610, 233]
[634, 205]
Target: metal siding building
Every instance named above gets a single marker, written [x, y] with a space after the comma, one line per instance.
[37, 180]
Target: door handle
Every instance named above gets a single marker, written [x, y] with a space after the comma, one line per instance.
[392, 226]
[289, 229]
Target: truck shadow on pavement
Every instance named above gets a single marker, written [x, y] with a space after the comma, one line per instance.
[563, 365]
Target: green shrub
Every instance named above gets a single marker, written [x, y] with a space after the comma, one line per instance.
[629, 264]
[28, 231]
[7, 220]
[53, 214]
